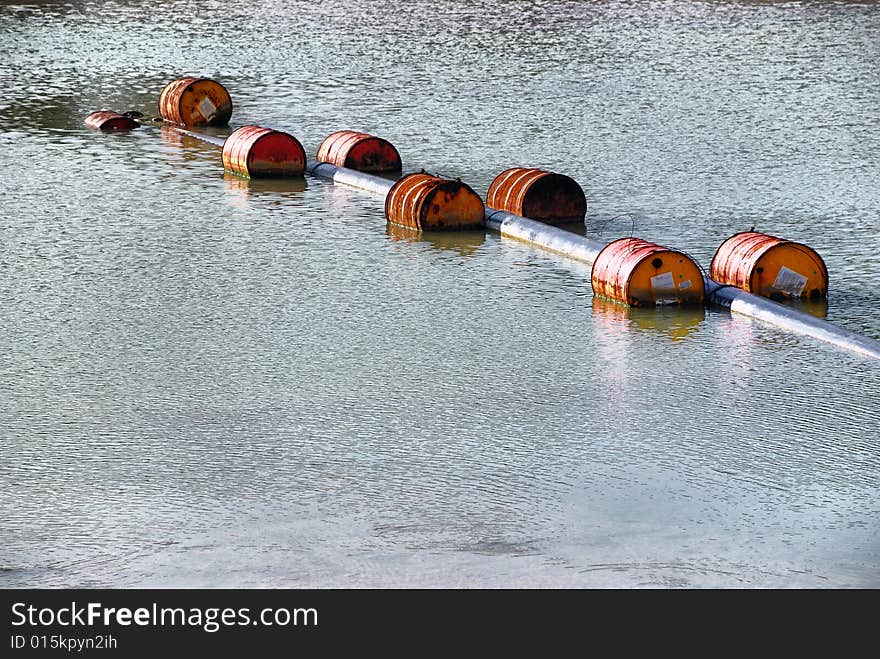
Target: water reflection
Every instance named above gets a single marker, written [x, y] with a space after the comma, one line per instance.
[463, 242]
[677, 323]
[389, 176]
[205, 380]
[817, 308]
[579, 228]
[185, 147]
[242, 189]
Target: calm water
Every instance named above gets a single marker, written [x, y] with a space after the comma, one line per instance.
[210, 382]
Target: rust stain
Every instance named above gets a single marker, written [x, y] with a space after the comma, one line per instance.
[109, 121]
[769, 266]
[425, 202]
[538, 194]
[639, 273]
[195, 102]
[359, 151]
[254, 151]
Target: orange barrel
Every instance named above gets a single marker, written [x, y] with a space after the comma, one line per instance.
[422, 201]
[195, 102]
[539, 195]
[107, 120]
[360, 151]
[769, 266]
[639, 273]
[255, 151]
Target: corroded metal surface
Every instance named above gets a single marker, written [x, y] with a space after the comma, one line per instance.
[639, 273]
[538, 194]
[109, 121]
[422, 201]
[770, 267]
[254, 151]
[359, 151]
[195, 102]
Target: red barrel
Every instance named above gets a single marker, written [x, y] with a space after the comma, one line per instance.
[639, 273]
[422, 201]
[537, 194]
[360, 151]
[195, 102]
[110, 121]
[770, 266]
[261, 152]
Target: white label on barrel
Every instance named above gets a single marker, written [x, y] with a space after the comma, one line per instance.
[684, 285]
[663, 286]
[207, 108]
[790, 282]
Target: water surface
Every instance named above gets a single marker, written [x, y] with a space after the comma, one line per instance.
[207, 381]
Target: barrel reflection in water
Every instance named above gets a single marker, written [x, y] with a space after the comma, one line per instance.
[675, 323]
[465, 243]
[280, 190]
[181, 150]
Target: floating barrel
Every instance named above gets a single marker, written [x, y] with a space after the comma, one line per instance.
[108, 121]
[360, 151]
[539, 195]
[422, 201]
[639, 273]
[195, 102]
[769, 266]
[255, 151]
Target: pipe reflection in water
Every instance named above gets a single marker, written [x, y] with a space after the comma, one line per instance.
[185, 148]
[677, 323]
[242, 190]
[463, 242]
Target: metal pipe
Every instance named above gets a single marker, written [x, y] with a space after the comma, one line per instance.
[585, 250]
[773, 313]
[210, 139]
[351, 177]
[736, 300]
[543, 235]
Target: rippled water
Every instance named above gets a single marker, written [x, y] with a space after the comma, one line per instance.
[212, 382]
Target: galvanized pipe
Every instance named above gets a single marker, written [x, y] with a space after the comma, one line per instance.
[551, 238]
[351, 177]
[773, 313]
[586, 250]
[736, 300]
[210, 139]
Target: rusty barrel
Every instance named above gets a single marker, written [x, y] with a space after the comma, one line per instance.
[640, 274]
[108, 121]
[538, 194]
[195, 102]
[769, 266]
[254, 151]
[423, 201]
[360, 151]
